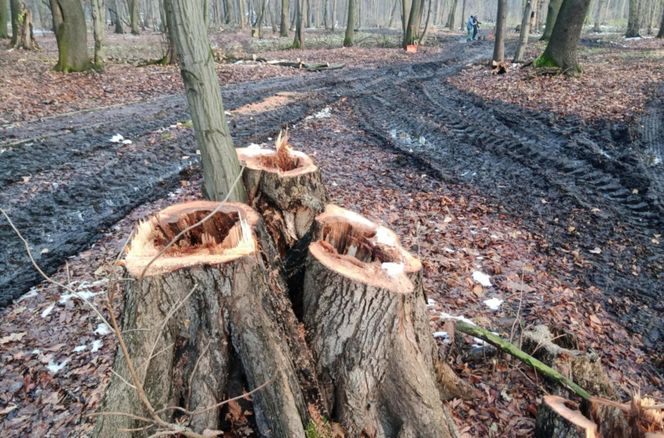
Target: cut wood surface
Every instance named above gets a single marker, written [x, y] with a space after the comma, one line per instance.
[369, 332]
[207, 310]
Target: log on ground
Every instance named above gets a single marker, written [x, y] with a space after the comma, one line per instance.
[206, 303]
[369, 332]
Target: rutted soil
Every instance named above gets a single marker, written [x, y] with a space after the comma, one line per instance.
[594, 191]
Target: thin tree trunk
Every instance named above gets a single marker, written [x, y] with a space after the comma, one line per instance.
[394, 9]
[598, 15]
[634, 20]
[99, 28]
[71, 35]
[561, 51]
[283, 25]
[14, 10]
[334, 15]
[117, 19]
[660, 34]
[298, 40]
[133, 16]
[170, 57]
[551, 17]
[413, 27]
[350, 24]
[219, 159]
[4, 17]
[451, 16]
[26, 38]
[463, 15]
[426, 24]
[499, 44]
[525, 31]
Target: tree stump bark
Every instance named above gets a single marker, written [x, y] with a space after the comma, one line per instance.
[369, 332]
[285, 187]
[207, 302]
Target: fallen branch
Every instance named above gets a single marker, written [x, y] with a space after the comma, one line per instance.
[513, 350]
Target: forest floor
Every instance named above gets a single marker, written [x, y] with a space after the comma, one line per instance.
[552, 187]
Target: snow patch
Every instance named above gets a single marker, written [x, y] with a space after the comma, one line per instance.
[96, 345]
[444, 315]
[47, 311]
[493, 303]
[55, 367]
[102, 329]
[482, 278]
[322, 114]
[83, 295]
[442, 335]
[79, 348]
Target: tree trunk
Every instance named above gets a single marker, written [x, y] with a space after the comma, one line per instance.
[561, 51]
[14, 10]
[660, 34]
[117, 19]
[219, 159]
[350, 24]
[551, 17]
[450, 17]
[334, 15]
[26, 38]
[598, 15]
[170, 57]
[367, 325]
[71, 35]
[533, 17]
[134, 16]
[99, 28]
[298, 40]
[4, 17]
[634, 20]
[525, 31]
[283, 25]
[426, 24]
[499, 43]
[463, 16]
[413, 27]
[209, 311]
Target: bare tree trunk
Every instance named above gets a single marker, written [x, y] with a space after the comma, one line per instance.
[598, 15]
[283, 25]
[451, 16]
[414, 20]
[551, 17]
[660, 34]
[117, 18]
[26, 38]
[426, 24]
[219, 159]
[4, 17]
[170, 57]
[71, 35]
[298, 41]
[334, 15]
[370, 332]
[133, 16]
[350, 24]
[220, 310]
[561, 51]
[634, 20]
[499, 44]
[463, 15]
[14, 10]
[99, 28]
[394, 9]
[525, 31]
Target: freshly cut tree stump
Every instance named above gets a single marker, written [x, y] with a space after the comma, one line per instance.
[368, 329]
[285, 187]
[206, 303]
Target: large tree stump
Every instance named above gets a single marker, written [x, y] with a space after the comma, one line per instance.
[233, 315]
[369, 332]
[285, 187]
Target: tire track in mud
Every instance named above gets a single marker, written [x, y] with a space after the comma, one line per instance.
[63, 182]
[551, 172]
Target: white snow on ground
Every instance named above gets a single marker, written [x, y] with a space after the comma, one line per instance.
[79, 348]
[322, 114]
[482, 278]
[442, 335]
[493, 303]
[102, 329]
[84, 295]
[445, 315]
[55, 367]
[96, 345]
[47, 311]
[117, 138]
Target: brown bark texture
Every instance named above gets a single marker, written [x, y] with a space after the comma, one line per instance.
[71, 35]
[4, 17]
[210, 306]
[551, 17]
[368, 329]
[525, 31]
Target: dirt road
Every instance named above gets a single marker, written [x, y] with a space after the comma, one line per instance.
[596, 192]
